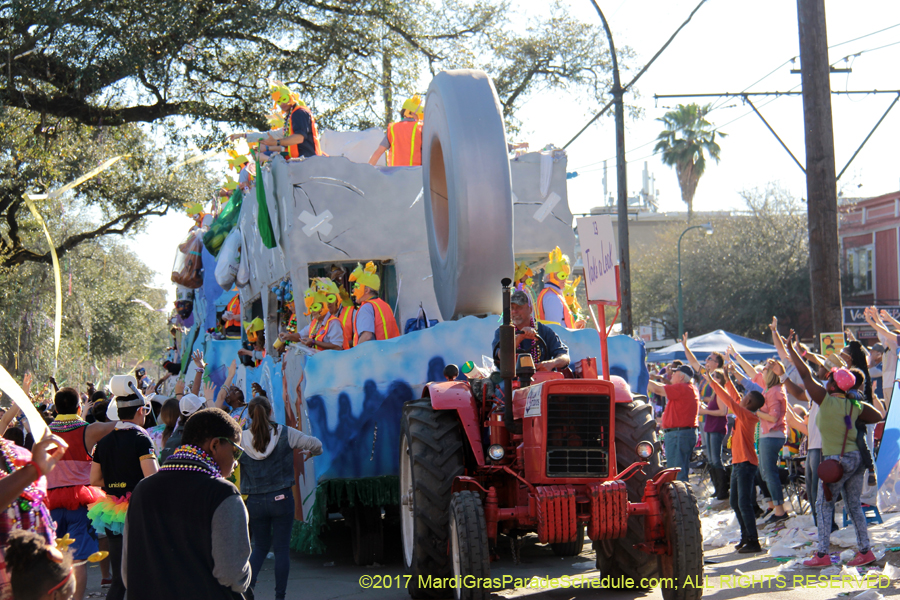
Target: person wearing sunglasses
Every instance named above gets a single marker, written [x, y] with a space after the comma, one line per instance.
[121, 460]
[267, 475]
[186, 532]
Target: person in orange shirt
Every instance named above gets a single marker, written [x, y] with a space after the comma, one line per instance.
[744, 462]
[403, 140]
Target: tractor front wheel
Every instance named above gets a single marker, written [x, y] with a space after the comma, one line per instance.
[431, 457]
[468, 545]
[634, 424]
[683, 568]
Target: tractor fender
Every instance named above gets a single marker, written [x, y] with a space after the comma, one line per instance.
[457, 395]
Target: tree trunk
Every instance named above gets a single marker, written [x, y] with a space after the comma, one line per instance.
[687, 181]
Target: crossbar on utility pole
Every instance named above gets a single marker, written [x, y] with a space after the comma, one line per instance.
[870, 135]
[780, 141]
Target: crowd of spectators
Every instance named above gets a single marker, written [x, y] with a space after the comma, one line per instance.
[750, 419]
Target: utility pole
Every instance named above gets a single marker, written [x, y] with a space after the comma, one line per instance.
[821, 184]
[618, 93]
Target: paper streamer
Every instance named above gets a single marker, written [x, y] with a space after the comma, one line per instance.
[56, 274]
[57, 281]
[89, 175]
[214, 154]
[35, 421]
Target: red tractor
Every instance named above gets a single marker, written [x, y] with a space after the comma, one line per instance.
[562, 457]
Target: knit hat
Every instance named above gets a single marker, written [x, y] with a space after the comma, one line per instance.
[843, 378]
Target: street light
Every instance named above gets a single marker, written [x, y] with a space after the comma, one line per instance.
[709, 230]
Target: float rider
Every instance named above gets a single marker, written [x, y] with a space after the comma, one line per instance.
[348, 312]
[551, 304]
[300, 136]
[232, 317]
[374, 319]
[330, 335]
[403, 140]
[256, 336]
[283, 340]
[548, 351]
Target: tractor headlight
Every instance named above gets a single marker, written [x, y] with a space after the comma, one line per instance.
[496, 452]
[644, 450]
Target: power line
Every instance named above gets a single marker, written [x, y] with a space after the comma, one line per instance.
[640, 73]
[863, 36]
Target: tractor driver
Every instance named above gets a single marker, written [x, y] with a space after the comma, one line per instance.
[551, 355]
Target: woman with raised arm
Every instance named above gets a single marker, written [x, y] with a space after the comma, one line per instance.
[837, 413]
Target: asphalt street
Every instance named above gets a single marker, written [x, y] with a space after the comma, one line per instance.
[727, 575]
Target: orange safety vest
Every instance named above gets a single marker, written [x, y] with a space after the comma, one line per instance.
[234, 307]
[405, 138]
[294, 150]
[567, 314]
[385, 323]
[347, 318]
[323, 329]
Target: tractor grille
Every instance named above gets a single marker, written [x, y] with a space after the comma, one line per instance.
[578, 436]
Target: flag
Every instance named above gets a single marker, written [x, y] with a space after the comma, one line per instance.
[265, 224]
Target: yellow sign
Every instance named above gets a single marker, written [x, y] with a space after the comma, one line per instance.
[831, 343]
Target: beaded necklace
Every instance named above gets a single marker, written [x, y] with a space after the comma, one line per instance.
[183, 455]
[67, 423]
[25, 512]
[535, 349]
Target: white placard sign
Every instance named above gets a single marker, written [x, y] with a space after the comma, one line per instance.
[599, 255]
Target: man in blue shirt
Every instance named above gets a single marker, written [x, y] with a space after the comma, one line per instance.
[549, 352]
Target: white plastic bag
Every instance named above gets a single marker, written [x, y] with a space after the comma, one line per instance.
[228, 261]
[243, 274]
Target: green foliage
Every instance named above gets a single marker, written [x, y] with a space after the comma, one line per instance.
[684, 143]
[38, 156]
[754, 266]
[113, 62]
[102, 329]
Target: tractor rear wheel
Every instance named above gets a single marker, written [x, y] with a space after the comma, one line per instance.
[573, 548]
[634, 424]
[469, 545]
[684, 567]
[431, 456]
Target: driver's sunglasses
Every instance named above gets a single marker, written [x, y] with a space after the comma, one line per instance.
[235, 449]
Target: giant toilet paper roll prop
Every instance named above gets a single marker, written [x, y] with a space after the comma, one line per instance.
[467, 193]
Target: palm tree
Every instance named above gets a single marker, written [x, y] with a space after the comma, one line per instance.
[682, 144]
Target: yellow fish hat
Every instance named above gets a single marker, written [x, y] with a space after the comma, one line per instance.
[365, 277]
[314, 301]
[281, 94]
[523, 274]
[558, 268]
[571, 298]
[328, 288]
[415, 106]
[252, 327]
[236, 160]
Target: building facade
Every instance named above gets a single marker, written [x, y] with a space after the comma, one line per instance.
[869, 232]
